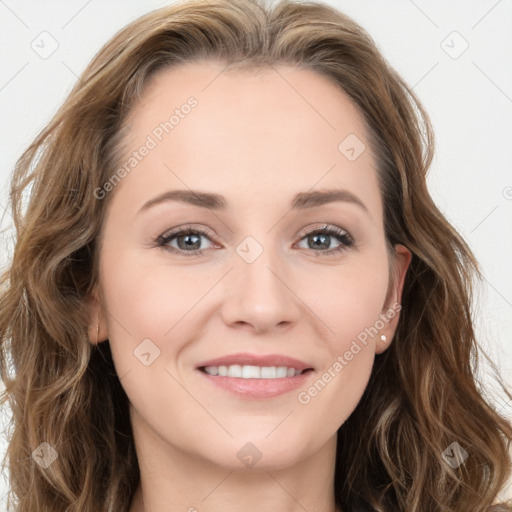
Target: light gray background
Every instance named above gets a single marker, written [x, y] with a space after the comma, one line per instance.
[467, 93]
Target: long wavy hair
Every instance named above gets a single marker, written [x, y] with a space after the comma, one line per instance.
[424, 393]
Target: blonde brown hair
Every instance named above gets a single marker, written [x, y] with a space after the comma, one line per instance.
[423, 394]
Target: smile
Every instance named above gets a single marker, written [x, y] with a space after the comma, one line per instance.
[250, 382]
[252, 372]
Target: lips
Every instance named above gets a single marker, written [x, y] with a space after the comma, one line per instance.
[244, 359]
[236, 374]
[256, 377]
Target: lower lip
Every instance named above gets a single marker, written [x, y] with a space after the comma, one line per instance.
[258, 389]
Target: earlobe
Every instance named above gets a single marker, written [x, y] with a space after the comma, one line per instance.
[94, 334]
[392, 306]
[96, 329]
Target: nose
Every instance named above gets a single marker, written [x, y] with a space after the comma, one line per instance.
[260, 296]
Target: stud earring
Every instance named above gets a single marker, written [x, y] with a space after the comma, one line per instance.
[383, 337]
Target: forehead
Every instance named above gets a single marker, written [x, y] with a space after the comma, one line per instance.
[277, 125]
[244, 94]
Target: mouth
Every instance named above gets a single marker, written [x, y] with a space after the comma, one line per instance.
[256, 377]
[238, 371]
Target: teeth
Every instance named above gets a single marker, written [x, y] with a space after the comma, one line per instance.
[235, 370]
[269, 372]
[249, 372]
[252, 372]
[281, 372]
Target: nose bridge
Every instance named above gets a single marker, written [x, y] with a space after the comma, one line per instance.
[258, 261]
[259, 293]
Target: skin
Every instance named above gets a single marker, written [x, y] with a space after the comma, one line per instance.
[257, 138]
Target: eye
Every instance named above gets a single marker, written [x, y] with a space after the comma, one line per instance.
[188, 240]
[321, 238]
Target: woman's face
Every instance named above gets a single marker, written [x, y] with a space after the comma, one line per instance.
[266, 147]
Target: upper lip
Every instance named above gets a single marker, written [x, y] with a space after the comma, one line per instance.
[244, 359]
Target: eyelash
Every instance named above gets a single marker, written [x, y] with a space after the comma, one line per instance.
[343, 236]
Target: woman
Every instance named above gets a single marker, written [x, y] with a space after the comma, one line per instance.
[231, 288]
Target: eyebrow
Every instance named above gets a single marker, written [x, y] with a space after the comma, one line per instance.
[300, 201]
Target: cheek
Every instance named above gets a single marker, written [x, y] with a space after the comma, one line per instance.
[348, 301]
[350, 306]
[150, 319]
[148, 297]
[144, 302]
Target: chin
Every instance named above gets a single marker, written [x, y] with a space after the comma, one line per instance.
[259, 452]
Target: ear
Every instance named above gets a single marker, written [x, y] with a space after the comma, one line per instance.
[98, 328]
[391, 311]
